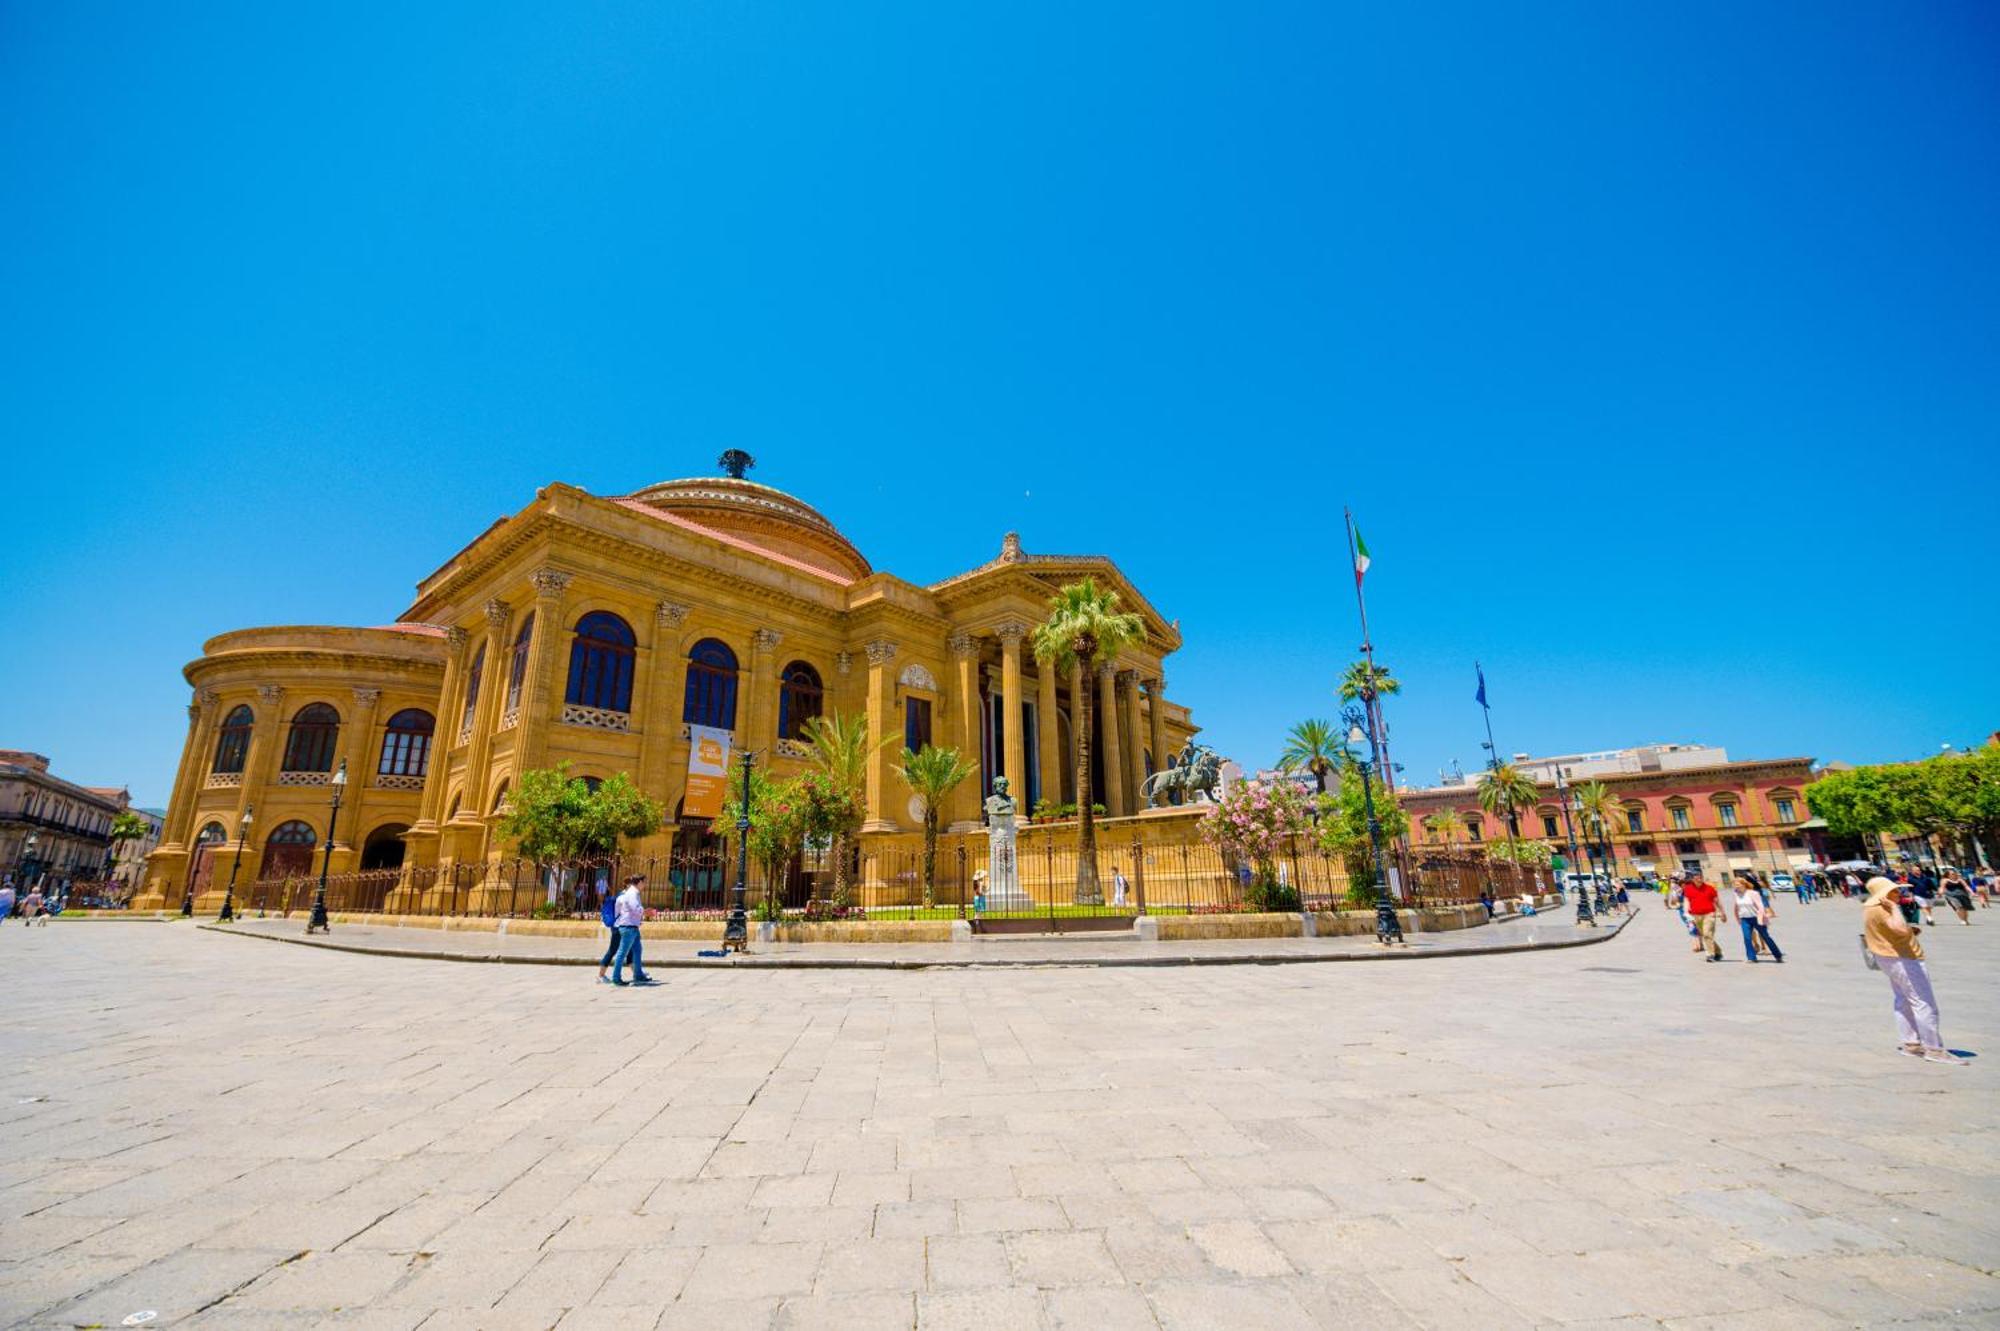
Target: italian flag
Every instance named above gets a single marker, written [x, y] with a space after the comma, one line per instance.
[1360, 558]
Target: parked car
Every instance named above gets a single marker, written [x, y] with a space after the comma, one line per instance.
[1782, 882]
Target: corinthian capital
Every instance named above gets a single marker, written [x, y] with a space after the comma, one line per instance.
[367, 697]
[880, 652]
[1128, 678]
[843, 662]
[497, 614]
[671, 614]
[1156, 686]
[550, 582]
[455, 638]
[1010, 632]
[962, 644]
[270, 694]
[766, 640]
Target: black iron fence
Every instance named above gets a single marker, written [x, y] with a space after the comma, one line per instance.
[1137, 869]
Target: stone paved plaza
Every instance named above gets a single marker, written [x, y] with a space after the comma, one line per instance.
[232, 1133]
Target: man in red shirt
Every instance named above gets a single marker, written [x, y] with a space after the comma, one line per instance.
[1699, 897]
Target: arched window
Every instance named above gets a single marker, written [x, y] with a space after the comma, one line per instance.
[800, 699]
[406, 746]
[232, 746]
[293, 833]
[500, 796]
[517, 667]
[472, 685]
[315, 735]
[600, 663]
[211, 835]
[711, 686]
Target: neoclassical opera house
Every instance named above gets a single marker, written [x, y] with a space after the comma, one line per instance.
[600, 631]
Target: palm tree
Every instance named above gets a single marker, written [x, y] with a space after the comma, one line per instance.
[1317, 747]
[1365, 683]
[1600, 809]
[1444, 825]
[1084, 626]
[1504, 788]
[932, 774]
[841, 749]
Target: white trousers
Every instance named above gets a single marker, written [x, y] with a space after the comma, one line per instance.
[1916, 1006]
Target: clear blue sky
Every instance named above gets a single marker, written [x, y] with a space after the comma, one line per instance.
[1655, 346]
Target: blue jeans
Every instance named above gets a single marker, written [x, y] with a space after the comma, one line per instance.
[1756, 928]
[610, 947]
[628, 947]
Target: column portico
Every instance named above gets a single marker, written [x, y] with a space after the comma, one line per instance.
[659, 728]
[468, 825]
[1135, 742]
[1079, 792]
[1048, 746]
[539, 702]
[760, 728]
[965, 709]
[1114, 753]
[1156, 712]
[422, 837]
[881, 656]
[1013, 759]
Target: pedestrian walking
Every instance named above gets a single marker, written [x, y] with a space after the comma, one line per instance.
[1118, 885]
[1958, 896]
[607, 911]
[1891, 945]
[1924, 888]
[1704, 910]
[630, 914]
[1754, 915]
[6, 900]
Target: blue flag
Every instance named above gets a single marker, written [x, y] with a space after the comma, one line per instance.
[1480, 697]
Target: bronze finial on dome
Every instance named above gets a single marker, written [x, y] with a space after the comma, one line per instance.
[735, 462]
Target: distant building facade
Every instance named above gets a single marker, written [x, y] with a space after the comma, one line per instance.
[51, 830]
[1683, 807]
[128, 862]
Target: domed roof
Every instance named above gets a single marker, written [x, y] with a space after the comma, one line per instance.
[759, 516]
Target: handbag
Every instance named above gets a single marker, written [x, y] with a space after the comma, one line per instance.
[1867, 957]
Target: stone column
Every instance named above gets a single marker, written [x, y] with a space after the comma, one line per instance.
[192, 774]
[1156, 708]
[881, 693]
[660, 727]
[1135, 742]
[1114, 753]
[965, 716]
[267, 747]
[842, 700]
[356, 750]
[759, 726]
[492, 693]
[1048, 745]
[1014, 750]
[541, 698]
[422, 836]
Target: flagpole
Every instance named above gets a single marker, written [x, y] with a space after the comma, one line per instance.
[1487, 708]
[1368, 655]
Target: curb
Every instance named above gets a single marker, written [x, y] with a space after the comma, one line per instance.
[789, 962]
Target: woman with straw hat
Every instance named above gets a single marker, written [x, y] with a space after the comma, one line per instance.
[1891, 943]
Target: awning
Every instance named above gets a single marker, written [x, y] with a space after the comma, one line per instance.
[1742, 862]
[1801, 860]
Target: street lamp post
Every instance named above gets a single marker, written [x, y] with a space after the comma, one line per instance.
[229, 893]
[1583, 915]
[28, 861]
[319, 923]
[736, 936]
[1387, 929]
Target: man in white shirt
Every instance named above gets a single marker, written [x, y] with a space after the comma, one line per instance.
[631, 913]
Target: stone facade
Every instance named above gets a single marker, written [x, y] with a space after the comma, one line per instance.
[70, 824]
[495, 663]
[1714, 818]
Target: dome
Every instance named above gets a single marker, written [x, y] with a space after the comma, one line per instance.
[759, 516]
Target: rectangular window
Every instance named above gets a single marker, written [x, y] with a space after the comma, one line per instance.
[1472, 831]
[1795, 843]
[1735, 843]
[1635, 820]
[1642, 848]
[916, 723]
[1785, 814]
[1727, 812]
[1681, 823]
[1548, 825]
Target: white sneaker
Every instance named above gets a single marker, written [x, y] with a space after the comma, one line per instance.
[1941, 1056]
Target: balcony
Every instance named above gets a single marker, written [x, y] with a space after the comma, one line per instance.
[596, 718]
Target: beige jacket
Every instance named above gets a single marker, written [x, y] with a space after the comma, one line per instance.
[1888, 933]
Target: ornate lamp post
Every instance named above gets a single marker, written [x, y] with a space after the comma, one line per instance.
[319, 923]
[1387, 929]
[1583, 914]
[229, 892]
[736, 935]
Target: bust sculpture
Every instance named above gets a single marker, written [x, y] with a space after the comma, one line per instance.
[1003, 879]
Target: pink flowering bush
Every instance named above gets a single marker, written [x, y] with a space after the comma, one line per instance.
[1256, 823]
